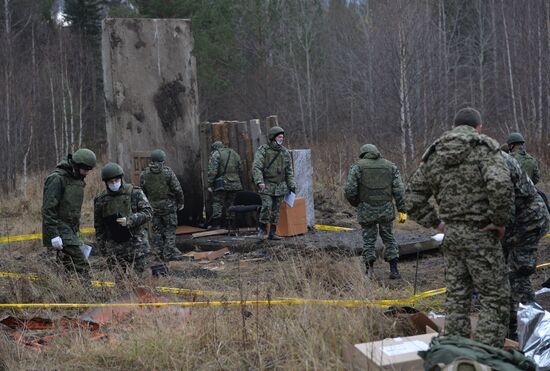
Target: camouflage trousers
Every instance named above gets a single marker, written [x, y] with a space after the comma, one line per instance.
[221, 201]
[474, 260]
[370, 233]
[271, 205]
[521, 255]
[163, 239]
[73, 260]
[127, 256]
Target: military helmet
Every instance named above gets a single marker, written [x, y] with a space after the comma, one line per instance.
[216, 145]
[515, 138]
[111, 171]
[158, 155]
[368, 148]
[84, 158]
[274, 131]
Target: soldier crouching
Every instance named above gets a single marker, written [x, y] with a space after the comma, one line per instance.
[121, 212]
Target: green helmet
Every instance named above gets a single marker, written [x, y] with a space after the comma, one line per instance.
[368, 148]
[216, 145]
[111, 171]
[274, 131]
[515, 138]
[84, 158]
[158, 155]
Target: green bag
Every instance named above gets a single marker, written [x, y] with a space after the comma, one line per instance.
[444, 350]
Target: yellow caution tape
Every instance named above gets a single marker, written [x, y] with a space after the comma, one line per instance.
[342, 303]
[544, 265]
[36, 236]
[331, 228]
[18, 275]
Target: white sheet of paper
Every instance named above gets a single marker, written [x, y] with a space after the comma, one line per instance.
[86, 250]
[438, 237]
[289, 199]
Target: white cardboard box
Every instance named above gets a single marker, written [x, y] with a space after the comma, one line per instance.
[390, 354]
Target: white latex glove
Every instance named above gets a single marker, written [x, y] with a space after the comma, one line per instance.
[210, 190]
[57, 243]
[261, 186]
[180, 207]
[122, 221]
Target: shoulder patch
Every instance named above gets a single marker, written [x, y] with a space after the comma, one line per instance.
[489, 142]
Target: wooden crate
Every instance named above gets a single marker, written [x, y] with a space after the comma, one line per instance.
[292, 221]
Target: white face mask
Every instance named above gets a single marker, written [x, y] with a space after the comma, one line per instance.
[115, 186]
[279, 141]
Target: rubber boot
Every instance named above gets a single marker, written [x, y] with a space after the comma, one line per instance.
[272, 235]
[394, 272]
[262, 231]
[216, 223]
[369, 268]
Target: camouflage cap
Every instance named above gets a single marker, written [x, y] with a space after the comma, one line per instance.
[467, 116]
[515, 138]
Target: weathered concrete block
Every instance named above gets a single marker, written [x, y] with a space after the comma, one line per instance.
[151, 99]
[303, 173]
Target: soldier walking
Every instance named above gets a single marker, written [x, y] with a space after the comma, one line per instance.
[121, 212]
[470, 182]
[529, 164]
[373, 184]
[274, 177]
[62, 203]
[523, 233]
[224, 181]
[163, 190]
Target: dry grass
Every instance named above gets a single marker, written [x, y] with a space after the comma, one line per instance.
[251, 337]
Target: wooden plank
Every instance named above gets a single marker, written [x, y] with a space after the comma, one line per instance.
[215, 232]
[187, 229]
[213, 255]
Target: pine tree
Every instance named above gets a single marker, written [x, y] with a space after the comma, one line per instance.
[84, 15]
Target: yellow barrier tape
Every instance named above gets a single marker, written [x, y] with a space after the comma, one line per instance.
[36, 236]
[18, 275]
[341, 303]
[544, 265]
[331, 228]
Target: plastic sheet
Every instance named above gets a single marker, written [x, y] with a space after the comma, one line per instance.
[534, 334]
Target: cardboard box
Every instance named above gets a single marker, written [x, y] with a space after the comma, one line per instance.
[389, 354]
[292, 221]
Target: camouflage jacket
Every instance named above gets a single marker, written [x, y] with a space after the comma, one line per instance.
[380, 212]
[138, 212]
[529, 164]
[217, 168]
[273, 166]
[531, 214]
[61, 205]
[162, 188]
[468, 178]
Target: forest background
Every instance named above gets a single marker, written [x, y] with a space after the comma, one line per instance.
[338, 73]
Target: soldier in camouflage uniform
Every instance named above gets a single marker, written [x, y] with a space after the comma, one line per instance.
[529, 164]
[523, 233]
[273, 175]
[224, 181]
[62, 202]
[163, 189]
[373, 184]
[467, 176]
[122, 207]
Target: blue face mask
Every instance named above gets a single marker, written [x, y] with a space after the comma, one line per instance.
[114, 186]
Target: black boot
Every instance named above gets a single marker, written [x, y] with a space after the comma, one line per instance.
[262, 231]
[394, 272]
[369, 268]
[215, 224]
[272, 235]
